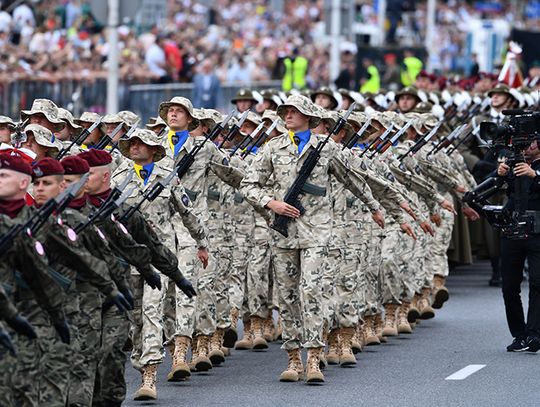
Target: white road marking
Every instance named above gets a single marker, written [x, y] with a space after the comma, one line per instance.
[465, 372]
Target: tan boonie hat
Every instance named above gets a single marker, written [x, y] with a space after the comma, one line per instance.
[500, 88]
[325, 90]
[155, 123]
[244, 94]
[113, 118]
[43, 137]
[349, 130]
[358, 118]
[208, 117]
[90, 118]
[8, 121]
[128, 117]
[48, 109]
[396, 119]
[270, 116]
[66, 116]
[179, 101]
[417, 120]
[149, 138]
[304, 106]
[428, 120]
[254, 118]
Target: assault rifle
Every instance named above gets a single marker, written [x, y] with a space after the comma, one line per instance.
[383, 146]
[281, 222]
[356, 136]
[234, 129]
[246, 141]
[259, 140]
[422, 142]
[83, 135]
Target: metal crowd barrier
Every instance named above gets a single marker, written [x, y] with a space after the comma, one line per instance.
[80, 96]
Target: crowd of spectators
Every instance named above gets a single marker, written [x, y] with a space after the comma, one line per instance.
[245, 40]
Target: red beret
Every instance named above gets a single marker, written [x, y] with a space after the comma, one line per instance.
[47, 166]
[424, 74]
[96, 158]
[14, 162]
[74, 165]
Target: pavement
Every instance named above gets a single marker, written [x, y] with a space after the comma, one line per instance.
[469, 333]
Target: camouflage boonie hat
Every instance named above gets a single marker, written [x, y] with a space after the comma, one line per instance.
[270, 116]
[383, 119]
[244, 94]
[325, 90]
[428, 120]
[349, 130]
[423, 107]
[113, 118]
[500, 88]
[8, 121]
[179, 101]
[149, 138]
[90, 118]
[128, 117]
[396, 119]
[43, 137]
[253, 118]
[209, 117]
[156, 122]
[68, 118]
[408, 90]
[304, 106]
[358, 118]
[46, 107]
[417, 121]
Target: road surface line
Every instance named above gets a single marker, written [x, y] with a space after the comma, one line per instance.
[465, 372]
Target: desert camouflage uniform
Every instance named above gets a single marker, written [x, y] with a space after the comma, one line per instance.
[300, 258]
[147, 337]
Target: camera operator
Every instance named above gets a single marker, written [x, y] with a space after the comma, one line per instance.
[514, 252]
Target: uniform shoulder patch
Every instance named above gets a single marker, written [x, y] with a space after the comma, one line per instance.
[390, 177]
[363, 166]
[225, 161]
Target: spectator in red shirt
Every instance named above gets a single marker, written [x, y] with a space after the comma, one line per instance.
[173, 57]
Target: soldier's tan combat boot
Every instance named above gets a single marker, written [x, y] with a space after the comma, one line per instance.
[201, 360]
[426, 311]
[403, 325]
[414, 313]
[346, 355]
[148, 390]
[215, 354]
[246, 342]
[295, 369]
[268, 328]
[440, 292]
[194, 352]
[230, 335]
[226, 351]
[356, 343]
[259, 343]
[313, 370]
[370, 336]
[180, 369]
[390, 326]
[379, 325]
[332, 356]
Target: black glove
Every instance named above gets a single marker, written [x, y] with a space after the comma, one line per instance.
[21, 325]
[128, 295]
[5, 341]
[152, 279]
[120, 301]
[185, 285]
[62, 328]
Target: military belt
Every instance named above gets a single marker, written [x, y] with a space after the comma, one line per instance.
[192, 195]
[313, 189]
[213, 195]
[238, 198]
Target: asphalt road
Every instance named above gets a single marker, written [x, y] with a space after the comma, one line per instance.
[407, 371]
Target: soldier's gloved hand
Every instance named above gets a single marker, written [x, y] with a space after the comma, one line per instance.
[21, 325]
[5, 341]
[153, 280]
[128, 295]
[62, 328]
[185, 285]
[120, 301]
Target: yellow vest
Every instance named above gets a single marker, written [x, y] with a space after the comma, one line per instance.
[413, 67]
[295, 73]
[373, 84]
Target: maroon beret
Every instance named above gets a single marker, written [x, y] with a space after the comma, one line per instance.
[74, 165]
[15, 162]
[96, 158]
[47, 166]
